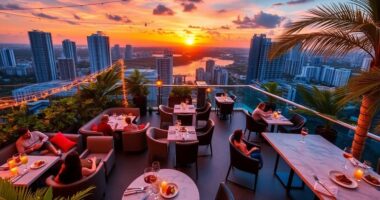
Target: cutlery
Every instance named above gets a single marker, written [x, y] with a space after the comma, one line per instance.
[323, 185]
[133, 192]
[138, 188]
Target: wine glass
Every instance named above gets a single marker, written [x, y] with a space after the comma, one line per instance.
[304, 132]
[279, 112]
[367, 165]
[16, 158]
[347, 154]
[150, 177]
[156, 166]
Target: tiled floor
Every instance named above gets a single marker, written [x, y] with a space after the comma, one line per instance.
[212, 170]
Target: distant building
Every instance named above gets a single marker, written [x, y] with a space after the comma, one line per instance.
[220, 76]
[99, 51]
[164, 67]
[209, 76]
[327, 75]
[128, 52]
[179, 79]
[116, 55]
[7, 58]
[341, 77]
[366, 64]
[43, 56]
[311, 73]
[22, 93]
[152, 76]
[200, 74]
[259, 66]
[66, 69]
[294, 61]
[70, 50]
[21, 69]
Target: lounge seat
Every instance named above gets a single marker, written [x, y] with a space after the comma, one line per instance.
[136, 140]
[298, 123]
[157, 143]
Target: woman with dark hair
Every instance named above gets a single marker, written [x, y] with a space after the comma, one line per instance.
[72, 170]
[238, 142]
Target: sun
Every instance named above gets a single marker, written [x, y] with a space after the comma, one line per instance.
[189, 41]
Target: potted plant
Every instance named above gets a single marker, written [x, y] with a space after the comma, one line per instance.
[326, 102]
[178, 95]
[135, 84]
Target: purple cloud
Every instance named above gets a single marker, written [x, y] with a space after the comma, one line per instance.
[117, 18]
[10, 6]
[77, 17]
[162, 10]
[43, 15]
[225, 27]
[188, 7]
[292, 2]
[221, 11]
[260, 20]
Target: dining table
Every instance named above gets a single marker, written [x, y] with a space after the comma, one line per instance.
[185, 109]
[27, 175]
[275, 121]
[224, 99]
[120, 121]
[175, 134]
[317, 157]
[188, 190]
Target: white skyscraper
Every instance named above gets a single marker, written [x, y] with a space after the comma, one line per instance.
[70, 50]
[366, 64]
[220, 76]
[128, 52]
[341, 77]
[164, 66]
[327, 75]
[99, 51]
[311, 73]
[7, 58]
[200, 74]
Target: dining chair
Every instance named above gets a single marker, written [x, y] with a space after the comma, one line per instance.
[187, 153]
[203, 114]
[224, 193]
[186, 119]
[166, 116]
[226, 110]
[298, 123]
[239, 160]
[204, 134]
[135, 141]
[158, 146]
[252, 125]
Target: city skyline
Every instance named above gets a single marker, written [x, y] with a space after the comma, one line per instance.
[154, 23]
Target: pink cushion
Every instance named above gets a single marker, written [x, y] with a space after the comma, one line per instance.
[94, 127]
[141, 126]
[62, 142]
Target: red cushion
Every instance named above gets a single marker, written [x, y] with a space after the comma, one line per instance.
[62, 142]
[94, 127]
[141, 126]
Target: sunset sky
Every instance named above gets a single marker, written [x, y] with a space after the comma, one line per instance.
[218, 23]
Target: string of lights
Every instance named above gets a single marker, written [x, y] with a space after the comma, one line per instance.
[66, 6]
[8, 102]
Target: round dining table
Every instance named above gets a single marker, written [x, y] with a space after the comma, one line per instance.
[187, 188]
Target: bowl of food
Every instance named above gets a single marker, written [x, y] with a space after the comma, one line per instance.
[169, 190]
[182, 129]
[38, 164]
[372, 179]
[341, 179]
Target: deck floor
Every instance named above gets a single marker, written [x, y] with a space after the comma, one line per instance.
[212, 170]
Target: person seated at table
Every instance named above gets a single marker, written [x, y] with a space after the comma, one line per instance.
[104, 127]
[34, 143]
[72, 170]
[238, 142]
[130, 125]
[259, 114]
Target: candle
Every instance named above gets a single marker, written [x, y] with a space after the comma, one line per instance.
[14, 171]
[358, 174]
[11, 163]
[24, 159]
[163, 185]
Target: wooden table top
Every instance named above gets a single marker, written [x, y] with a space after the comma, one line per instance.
[188, 190]
[188, 109]
[224, 99]
[33, 174]
[175, 135]
[281, 120]
[120, 120]
[317, 156]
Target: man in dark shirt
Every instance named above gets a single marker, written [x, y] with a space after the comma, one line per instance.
[104, 127]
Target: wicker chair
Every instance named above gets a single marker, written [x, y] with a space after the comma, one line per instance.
[187, 153]
[242, 162]
[203, 114]
[224, 193]
[226, 110]
[157, 143]
[135, 141]
[204, 134]
[186, 119]
[166, 116]
[253, 126]
[298, 123]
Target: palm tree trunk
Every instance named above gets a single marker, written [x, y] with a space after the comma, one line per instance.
[364, 123]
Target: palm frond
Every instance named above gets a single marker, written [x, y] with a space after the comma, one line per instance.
[369, 6]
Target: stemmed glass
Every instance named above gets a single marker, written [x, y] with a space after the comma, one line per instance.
[347, 154]
[367, 165]
[304, 132]
[150, 178]
[24, 160]
[156, 166]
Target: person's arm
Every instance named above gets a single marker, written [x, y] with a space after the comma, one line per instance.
[241, 148]
[42, 136]
[20, 147]
[56, 178]
[86, 171]
[252, 150]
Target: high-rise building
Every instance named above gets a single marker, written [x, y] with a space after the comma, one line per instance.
[128, 52]
[43, 56]
[259, 66]
[66, 69]
[341, 77]
[366, 64]
[294, 61]
[70, 50]
[179, 79]
[210, 64]
[164, 66]
[220, 76]
[327, 74]
[311, 73]
[7, 58]
[99, 51]
[116, 55]
[200, 74]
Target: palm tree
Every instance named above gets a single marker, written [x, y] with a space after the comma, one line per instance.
[272, 87]
[337, 29]
[135, 84]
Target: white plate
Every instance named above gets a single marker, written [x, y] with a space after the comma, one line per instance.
[163, 194]
[334, 173]
[33, 166]
[369, 182]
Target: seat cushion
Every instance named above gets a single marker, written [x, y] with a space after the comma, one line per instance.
[62, 142]
[88, 163]
[100, 156]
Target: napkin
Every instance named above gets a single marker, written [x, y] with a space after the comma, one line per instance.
[332, 188]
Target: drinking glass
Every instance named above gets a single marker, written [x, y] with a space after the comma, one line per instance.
[279, 112]
[150, 178]
[347, 154]
[16, 158]
[24, 158]
[156, 166]
[304, 132]
[367, 165]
